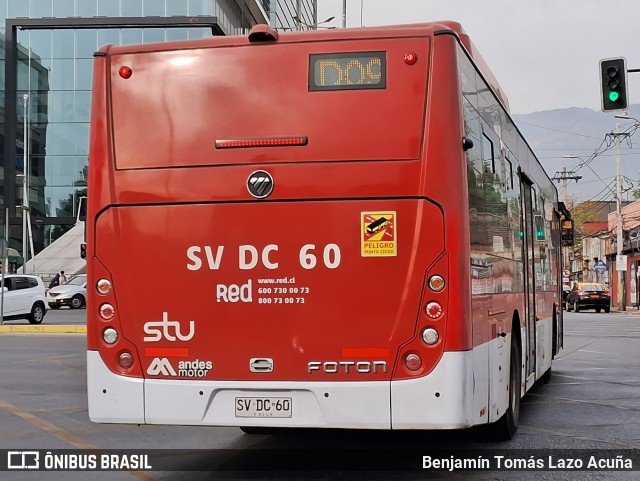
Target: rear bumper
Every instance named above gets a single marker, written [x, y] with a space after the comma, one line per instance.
[441, 400]
[57, 301]
[593, 303]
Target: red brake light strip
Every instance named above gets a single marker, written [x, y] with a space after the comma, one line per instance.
[260, 142]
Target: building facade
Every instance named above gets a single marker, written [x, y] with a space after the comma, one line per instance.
[47, 49]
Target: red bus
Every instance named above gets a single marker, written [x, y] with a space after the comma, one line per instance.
[315, 229]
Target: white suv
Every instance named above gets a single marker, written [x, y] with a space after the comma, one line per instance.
[23, 298]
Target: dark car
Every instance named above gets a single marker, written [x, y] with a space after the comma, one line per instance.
[566, 289]
[588, 295]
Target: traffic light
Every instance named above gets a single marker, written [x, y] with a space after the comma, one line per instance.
[567, 232]
[83, 250]
[613, 82]
[539, 226]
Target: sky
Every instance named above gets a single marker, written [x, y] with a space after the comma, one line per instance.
[544, 53]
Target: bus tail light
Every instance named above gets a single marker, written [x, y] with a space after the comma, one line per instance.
[413, 361]
[436, 283]
[125, 360]
[107, 311]
[103, 286]
[433, 310]
[110, 335]
[430, 336]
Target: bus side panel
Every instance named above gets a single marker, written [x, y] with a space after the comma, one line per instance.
[444, 179]
[98, 178]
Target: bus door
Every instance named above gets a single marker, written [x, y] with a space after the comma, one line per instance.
[558, 340]
[529, 345]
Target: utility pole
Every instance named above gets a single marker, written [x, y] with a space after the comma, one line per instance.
[619, 239]
[564, 176]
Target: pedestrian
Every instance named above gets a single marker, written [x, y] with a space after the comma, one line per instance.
[63, 278]
[55, 281]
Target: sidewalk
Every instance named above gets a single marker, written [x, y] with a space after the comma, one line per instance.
[49, 329]
[631, 311]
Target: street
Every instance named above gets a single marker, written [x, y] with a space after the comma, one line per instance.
[57, 317]
[591, 402]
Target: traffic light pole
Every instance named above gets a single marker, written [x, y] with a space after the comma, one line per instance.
[614, 96]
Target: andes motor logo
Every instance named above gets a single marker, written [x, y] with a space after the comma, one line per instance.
[162, 366]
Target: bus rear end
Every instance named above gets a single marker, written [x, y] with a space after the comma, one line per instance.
[262, 246]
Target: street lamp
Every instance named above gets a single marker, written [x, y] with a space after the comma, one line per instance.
[626, 117]
[26, 224]
[312, 25]
[344, 12]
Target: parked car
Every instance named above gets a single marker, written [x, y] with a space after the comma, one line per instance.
[589, 295]
[72, 293]
[23, 298]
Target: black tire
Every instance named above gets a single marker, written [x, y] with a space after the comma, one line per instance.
[37, 314]
[505, 427]
[546, 377]
[77, 302]
[607, 309]
[576, 307]
[598, 309]
[54, 306]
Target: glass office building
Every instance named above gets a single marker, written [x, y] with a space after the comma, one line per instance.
[47, 51]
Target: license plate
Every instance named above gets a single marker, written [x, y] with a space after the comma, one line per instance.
[595, 296]
[263, 407]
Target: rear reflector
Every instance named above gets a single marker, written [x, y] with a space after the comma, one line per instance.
[125, 360]
[413, 362]
[261, 142]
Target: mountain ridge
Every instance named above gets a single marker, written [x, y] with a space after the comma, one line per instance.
[582, 132]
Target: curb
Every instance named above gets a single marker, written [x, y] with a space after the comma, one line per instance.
[45, 329]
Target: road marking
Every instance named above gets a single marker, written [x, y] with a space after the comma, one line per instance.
[66, 436]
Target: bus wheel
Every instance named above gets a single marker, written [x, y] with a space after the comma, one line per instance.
[546, 377]
[505, 427]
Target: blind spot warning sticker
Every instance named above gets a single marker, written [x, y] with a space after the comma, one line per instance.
[379, 238]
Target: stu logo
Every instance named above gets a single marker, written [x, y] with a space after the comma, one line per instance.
[167, 329]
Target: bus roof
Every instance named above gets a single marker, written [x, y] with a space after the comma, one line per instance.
[408, 30]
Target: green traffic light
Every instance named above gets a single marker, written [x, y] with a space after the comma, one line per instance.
[614, 96]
